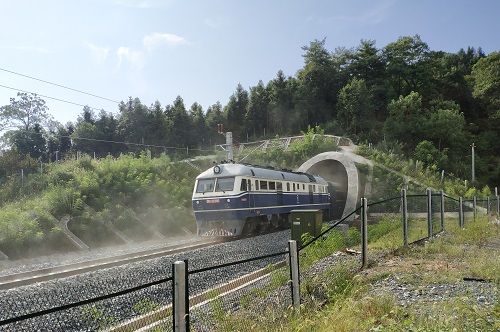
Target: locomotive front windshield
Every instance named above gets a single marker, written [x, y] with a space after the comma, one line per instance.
[224, 184]
[204, 186]
[220, 184]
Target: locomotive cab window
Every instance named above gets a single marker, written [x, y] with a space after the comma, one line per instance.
[279, 186]
[245, 185]
[224, 184]
[288, 186]
[263, 185]
[272, 185]
[205, 185]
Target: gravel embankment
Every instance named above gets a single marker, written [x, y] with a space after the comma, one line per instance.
[477, 292]
[46, 295]
[43, 262]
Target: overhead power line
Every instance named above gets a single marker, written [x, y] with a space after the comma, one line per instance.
[61, 100]
[26, 139]
[58, 85]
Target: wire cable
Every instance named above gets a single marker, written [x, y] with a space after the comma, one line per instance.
[58, 85]
[61, 100]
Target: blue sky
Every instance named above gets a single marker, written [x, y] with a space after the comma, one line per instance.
[201, 50]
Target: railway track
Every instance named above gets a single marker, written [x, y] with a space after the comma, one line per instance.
[31, 277]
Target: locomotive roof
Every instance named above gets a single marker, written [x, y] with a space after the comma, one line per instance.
[230, 169]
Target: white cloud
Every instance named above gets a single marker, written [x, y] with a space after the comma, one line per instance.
[98, 53]
[156, 40]
[134, 58]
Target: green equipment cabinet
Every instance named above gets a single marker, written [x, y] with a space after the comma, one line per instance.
[305, 221]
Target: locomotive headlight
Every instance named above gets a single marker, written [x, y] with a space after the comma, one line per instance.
[228, 200]
[197, 202]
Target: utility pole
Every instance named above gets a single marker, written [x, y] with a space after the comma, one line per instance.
[473, 170]
[229, 140]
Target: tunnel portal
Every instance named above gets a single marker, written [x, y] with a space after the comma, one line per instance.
[340, 171]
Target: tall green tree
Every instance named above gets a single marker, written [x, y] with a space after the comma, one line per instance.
[134, 123]
[354, 108]
[486, 81]
[235, 111]
[257, 114]
[30, 141]
[25, 112]
[317, 81]
[213, 117]
[282, 94]
[366, 62]
[407, 65]
[181, 132]
[200, 139]
[406, 122]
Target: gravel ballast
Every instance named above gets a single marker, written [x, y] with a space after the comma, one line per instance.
[64, 291]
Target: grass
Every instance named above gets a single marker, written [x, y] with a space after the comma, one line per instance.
[341, 299]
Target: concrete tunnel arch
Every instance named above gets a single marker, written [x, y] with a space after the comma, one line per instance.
[340, 171]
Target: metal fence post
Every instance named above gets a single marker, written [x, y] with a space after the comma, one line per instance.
[498, 205]
[404, 212]
[179, 290]
[429, 213]
[364, 233]
[474, 205]
[488, 210]
[442, 210]
[294, 273]
[186, 293]
[460, 212]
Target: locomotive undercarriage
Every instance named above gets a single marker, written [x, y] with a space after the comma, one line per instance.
[266, 223]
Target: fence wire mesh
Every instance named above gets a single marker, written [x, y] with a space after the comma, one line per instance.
[234, 296]
[84, 304]
[385, 227]
[244, 289]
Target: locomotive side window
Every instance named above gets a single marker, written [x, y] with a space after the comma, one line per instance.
[279, 186]
[205, 185]
[288, 186]
[263, 185]
[272, 185]
[294, 187]
[243, 186]
[256, 184]
[224, 184]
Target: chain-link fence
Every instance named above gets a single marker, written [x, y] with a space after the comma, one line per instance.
[243, 289]
[90, 305]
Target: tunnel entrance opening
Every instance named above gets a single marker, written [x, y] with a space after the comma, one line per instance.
[335, 173]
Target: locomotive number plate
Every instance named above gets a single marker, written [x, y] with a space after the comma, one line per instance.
[210, 201]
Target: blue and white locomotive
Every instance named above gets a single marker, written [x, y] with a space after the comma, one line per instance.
[233, 199]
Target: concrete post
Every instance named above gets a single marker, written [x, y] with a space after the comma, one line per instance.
[364, 233]
[474, 205]
[442, 210]
[294, 273]
[179, 290]
[460, 212]
[429, 214]
[404, 212]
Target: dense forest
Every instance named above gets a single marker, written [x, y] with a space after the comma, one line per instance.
[404, 98]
